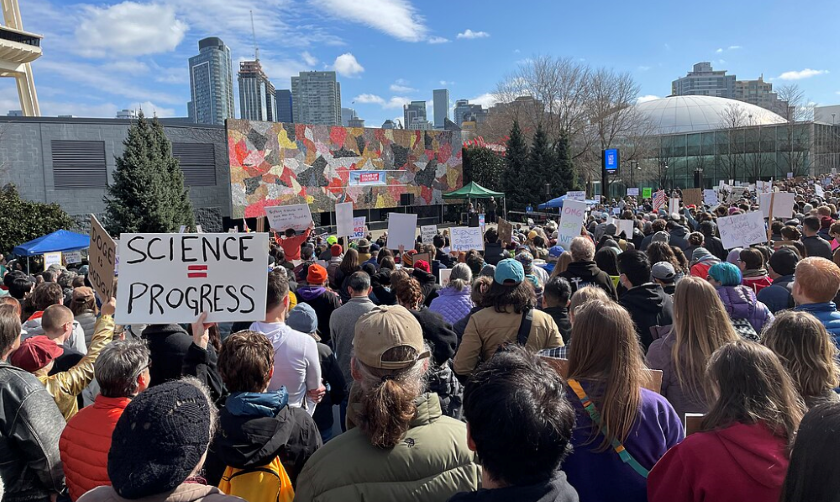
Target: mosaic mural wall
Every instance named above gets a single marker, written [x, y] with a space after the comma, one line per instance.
[274, 163]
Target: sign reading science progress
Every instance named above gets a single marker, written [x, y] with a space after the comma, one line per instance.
[172, 278]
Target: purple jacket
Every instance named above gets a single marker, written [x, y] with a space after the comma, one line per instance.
[452, 305]
[741, 303]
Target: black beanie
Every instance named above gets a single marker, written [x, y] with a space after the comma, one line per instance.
[784, 261]
[159, 439]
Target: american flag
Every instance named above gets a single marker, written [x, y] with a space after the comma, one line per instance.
[658, 200]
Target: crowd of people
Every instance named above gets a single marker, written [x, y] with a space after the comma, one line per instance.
[654, 366]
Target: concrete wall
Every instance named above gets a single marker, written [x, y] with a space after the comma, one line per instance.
[26, 160]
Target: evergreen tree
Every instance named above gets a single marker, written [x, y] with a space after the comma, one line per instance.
[148, 193]
[539, 167]
[563, 174]
[484, 167]
[23, 220]
[516, 158]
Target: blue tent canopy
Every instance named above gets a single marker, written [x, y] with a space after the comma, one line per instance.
[558, 203]
[60, 240]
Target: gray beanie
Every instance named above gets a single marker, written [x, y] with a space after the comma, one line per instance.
[661, 236]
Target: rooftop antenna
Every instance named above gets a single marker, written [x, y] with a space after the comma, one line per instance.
[254, 33]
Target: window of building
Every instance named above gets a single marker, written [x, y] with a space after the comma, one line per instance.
[198, 163]
[79, 164]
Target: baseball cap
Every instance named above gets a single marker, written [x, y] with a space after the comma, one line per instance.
[422, 265]
[34, 353]
[555, 251]
[532, 234]
[509, 272]
[663, 271]
[784, 261]
[374, 247]
[316, 274]
[527, 261]
[384, 328]
[332, 240]
[303, 318]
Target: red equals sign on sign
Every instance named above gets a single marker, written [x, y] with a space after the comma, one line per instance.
[197, 271]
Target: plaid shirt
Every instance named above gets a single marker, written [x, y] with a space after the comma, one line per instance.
[556, 352]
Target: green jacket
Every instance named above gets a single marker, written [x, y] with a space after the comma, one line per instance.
[431, 464]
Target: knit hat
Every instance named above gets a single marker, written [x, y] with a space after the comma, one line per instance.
[336, 250]
[159, 439]
[611, 229]
[527, 261]
[316, 274]
[663, 271]
[509, 272]
[422, 265]
[34, 353]
[374, 247]
[784, 261]
[303, 318]
[332, 240]
[384, 328]
[661, 236]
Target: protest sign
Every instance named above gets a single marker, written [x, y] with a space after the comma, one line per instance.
[444, 274]
[359, 229]
[625, 226]
[466, 238]
[73, 257]
[633, 191]
[576, 195]
[818, 191]
[198, 229]
[659, 200]
[505, 231]
[481, 221]
[764, 186]
[172, 278]
[738, 192]
[692, 196]
[295, 216]
[402, 229]
[571, 220]
[673, 205]
[421, 256]
[742, 230]
[343, 219]
[789, 176]
[52, 259]
[428, 233]
[366, 178]
[782, 204]
[647, 193]
[182, 229]
[710, 197]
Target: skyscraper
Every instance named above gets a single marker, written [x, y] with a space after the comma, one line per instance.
[347, 114]
[211, 83]
[414, 115]
[256, 93]
[464, 110]
[441, 99]
[706, 82]
[284, 106]
[316, 98]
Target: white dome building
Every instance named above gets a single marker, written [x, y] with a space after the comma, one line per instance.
[688, 114]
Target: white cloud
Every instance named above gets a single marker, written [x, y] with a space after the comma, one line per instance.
[178, 75]
[646, 98]
[721, 61]
[644, 68]
[347, 65]
[799, 75]
[486, 100]
[397, 87]
[447, 82]
[735, 47]
[438, 40]
[469, 34]
[106, 81]
[397, 18]
[308, 58]
[129, 29]
[369, 99]
[397, 102]
[153, 110]
[719, 51]
[128, 67]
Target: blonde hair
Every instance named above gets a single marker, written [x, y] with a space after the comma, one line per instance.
[701, 326]
[584, 295]
[806, 350]
[818, 278]
[606, 351]
[562, 263]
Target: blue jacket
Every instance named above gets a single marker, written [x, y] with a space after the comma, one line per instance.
[777, 296]
[827, 314]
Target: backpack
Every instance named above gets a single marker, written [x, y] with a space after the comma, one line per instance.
[268, 483]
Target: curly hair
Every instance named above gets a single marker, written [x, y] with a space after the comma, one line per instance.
[408, 293]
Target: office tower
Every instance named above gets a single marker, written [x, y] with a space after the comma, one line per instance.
[256, 93]
[414, 116]
[211, 83]
[464, 110]
[316, 98]
[441, 99]
[705, 81]
[284, 106]
[347, 114]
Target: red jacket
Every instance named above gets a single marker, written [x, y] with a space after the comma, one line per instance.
[757, 283]
[742, 463]
[85, 443]
[291, 245]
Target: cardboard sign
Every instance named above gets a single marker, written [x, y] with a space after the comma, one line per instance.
[625, 226]
[693, 196]
[172, 278]
[444, 274]
[295, 216]
[571, 220]
[428, 233]
[73, 257]
[466, 238]
[421, 256]
[343, 219]
[576, 195]
[359, 228]
[401, 230]
[633, 191]
[505, 231]
[647, 193]
[782, 204]
[673, 205]
[710, 197]
[52, 259]
[742, 230]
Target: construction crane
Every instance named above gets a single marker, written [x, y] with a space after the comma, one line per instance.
[254, 34]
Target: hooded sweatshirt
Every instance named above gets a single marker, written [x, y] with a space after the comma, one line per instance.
[678, 237]
[586, 273]
[256, 427]
[741, 463]
[323, 301]
[649, 306]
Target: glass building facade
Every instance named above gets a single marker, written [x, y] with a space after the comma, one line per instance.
[211, 83]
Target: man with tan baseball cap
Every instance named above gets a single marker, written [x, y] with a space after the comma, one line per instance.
[384, 328]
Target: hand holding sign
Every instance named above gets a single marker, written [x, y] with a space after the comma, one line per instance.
[201, 331]
[109, 307]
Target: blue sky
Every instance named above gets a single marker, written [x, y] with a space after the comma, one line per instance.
[102, 56]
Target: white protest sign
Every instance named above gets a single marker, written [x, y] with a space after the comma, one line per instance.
[182, 229]
[52, 259]
[633, 192]
[444, 274]
[571, 220]
[172, 278]
[818, 190]
[343, 219]
[466, 238]
[673, 205]
[427, 233]
[359, 228]
[710, 197]
[625, 226]
[742, 230]
[577, 195]
[764, 186]
[73, 257]
[402, 229]
[782, 204]
[295, 216]
[198, 229]
[789, 175]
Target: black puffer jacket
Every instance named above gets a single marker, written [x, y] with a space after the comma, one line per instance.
[30, 427]
[168, 344]
[586, 273]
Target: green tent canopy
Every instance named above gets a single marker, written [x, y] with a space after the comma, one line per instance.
[472, 191]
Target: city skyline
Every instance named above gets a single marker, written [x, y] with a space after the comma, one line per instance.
[104, 56]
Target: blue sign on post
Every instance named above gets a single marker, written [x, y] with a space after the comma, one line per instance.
[611, 160]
